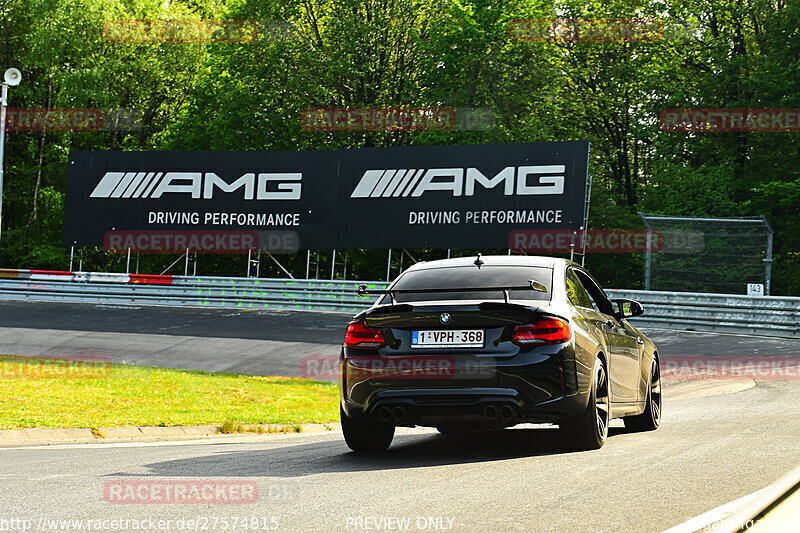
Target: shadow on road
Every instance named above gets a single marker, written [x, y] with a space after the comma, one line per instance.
[407, 451]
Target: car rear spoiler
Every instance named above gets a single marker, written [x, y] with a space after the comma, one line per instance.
[532, 285]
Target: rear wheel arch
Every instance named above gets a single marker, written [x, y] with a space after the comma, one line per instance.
[589, 365]
[602, 356]
[650, 418]
[589, 430]
[646, 369]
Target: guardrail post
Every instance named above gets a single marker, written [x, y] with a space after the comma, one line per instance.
[3, 105]
[648, 260]
[389, 265]
[768, 259]
[648, 255]
[71, 255]
[333, 263]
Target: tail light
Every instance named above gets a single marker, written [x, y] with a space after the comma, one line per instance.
[546, 330]
[359, 335]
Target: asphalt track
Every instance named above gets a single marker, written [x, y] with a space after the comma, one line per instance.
[719, 441]
[710, 450]
[248, 342]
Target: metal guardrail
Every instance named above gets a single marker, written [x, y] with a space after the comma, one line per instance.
[240, 293]
[767, 315]
[777, 316]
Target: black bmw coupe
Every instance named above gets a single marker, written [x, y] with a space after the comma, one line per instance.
[491, 342]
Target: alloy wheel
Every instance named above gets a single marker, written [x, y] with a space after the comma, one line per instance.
[655, 392]
[602, 401]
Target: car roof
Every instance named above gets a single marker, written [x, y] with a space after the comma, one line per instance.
[495, 260]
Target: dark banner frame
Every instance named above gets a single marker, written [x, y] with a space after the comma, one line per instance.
[456, 196]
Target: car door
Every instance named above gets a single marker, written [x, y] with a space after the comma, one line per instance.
[623, 343]
[587, 318]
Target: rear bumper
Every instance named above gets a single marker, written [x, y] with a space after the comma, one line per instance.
[539, 385]
[464, 407]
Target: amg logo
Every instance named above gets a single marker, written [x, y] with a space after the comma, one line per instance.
[394, 183]
[263, 186]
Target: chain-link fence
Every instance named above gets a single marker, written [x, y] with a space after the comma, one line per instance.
[721, 255]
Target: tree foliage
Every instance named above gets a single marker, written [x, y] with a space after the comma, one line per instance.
[456, 53]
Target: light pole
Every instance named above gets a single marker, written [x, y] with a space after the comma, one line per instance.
[11, 77]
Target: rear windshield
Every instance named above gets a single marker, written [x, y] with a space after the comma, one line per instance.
[468, 277]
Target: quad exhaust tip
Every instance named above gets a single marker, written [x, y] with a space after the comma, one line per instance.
[503, 412]
[384, 414]
[392, 414]
[399, 413]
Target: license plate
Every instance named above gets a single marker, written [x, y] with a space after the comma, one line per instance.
[451, 338]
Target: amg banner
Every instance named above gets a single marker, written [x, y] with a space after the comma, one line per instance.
[403, 197]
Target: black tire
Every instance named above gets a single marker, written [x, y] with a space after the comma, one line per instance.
[590, 430]
[365, 434]
[650, 419]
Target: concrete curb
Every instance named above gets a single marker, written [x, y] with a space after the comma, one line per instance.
[703, 388]
[734, 516]
[44, 436]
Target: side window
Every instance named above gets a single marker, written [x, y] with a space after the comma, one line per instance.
[599, 299]
[576, 293]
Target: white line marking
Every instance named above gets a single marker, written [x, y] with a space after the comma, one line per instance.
[198, 441]
[334, 435]
[714, 515]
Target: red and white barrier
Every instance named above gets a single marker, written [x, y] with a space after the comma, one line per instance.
[90, 277]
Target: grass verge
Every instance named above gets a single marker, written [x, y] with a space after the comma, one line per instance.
[68, 394]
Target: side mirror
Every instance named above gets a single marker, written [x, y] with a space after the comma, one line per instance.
[628, 308]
